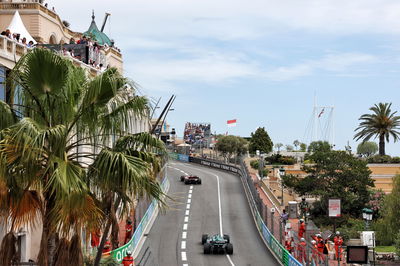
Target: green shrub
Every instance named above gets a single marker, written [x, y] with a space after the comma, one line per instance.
[396, 159]
[254, 164]
[279, 159]
[397, 244]
[380, 159]
[352, 228]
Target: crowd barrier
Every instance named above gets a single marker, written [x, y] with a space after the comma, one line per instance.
[279, 251]
[119, 253]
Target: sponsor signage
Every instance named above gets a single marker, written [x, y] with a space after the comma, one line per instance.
[334, 208]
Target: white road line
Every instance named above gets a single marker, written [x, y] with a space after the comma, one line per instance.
[186, 219]
[185, 226]
[185, 264]
[190, 191]
[183, 245]
[184, 235]
[187, 212]
[187, 206]
[189, 201]
[219, 209]
[190, 196]
[191, 187]
[184, 258]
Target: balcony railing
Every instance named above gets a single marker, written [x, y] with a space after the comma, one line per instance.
[13, 51]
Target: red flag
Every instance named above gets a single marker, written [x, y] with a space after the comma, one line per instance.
[231, 123]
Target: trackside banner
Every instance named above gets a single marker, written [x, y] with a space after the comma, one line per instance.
[280, 252]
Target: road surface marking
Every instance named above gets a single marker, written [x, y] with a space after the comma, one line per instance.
[187, 206]
[183, 245]
[185, 226]
[189, 201]
[184, 235]
[219, 208]
[185, 264]
[184, 258]
[186, 219]
[187, 212]
[190, 196]
[190, 191]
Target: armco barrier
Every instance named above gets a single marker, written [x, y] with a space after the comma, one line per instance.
[280, 252]
[119, 253]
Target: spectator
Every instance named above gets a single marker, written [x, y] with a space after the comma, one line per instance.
[30, 44]
[3, 33]
[72, 41]
[24, 41]
[8, 33]
[284, 217]
[302, 228]
[45, 5]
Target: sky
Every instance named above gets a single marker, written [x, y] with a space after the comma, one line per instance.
[264, 63]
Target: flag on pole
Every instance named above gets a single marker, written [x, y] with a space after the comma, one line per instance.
[231, 123]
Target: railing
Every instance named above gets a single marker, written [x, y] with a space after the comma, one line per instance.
[12, 49]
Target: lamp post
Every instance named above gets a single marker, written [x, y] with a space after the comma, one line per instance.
[367, 216]
[281, 173]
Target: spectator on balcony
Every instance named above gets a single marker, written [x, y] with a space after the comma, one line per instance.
[24, 41]
[83, 40]
[72, 41]
[8, 33]
[30, 44]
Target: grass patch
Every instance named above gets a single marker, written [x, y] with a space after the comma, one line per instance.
[385, 249]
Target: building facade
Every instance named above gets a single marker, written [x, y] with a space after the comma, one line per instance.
[47, 29]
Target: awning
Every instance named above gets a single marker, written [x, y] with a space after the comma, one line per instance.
[17, 26]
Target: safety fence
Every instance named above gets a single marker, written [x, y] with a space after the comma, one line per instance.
[256, 207]
[119, 253]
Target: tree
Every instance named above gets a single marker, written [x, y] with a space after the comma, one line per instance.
[382, 123]
[289, 148]
[303, 147]
[46, 149]
[278, 146]
[296, 144]
[334, 174]
[322, 146]
[260, 141]
[367, 149]
[231, 145]
[389, 226]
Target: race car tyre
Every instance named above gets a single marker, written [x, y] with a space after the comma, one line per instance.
[199, 182]
[227, 238]
[186, 182]
[229, 249]
[207, 248]
[182, 178]
[204, 239]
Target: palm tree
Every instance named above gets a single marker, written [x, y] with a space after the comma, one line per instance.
[278, 146]
[381, 123]
[56, 147]
[296, 143]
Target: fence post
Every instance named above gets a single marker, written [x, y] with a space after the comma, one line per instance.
[272, 220]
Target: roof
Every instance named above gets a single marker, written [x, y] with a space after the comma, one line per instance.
[94, 33]
[17, 26]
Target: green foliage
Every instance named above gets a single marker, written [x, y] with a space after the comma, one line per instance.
[303, 147]
[380, 159]
[296, 143]
[321, 146]
[278, 146]
[382, 123]
[334, 174]
[254, 164]
[260, 141]
[351, 228]
[289, 148]
[397, 243]
[280, 159]
[367, 149]
[231, 145]
[376, 202]
[389, 225]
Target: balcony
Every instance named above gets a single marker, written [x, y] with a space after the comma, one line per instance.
[11, 51]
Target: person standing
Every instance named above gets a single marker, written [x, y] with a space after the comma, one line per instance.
[338, 240]
[128, 259]
[284, 217]
[302, 228]
[128, 231]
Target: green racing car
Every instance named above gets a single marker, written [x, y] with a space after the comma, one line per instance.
[217, 244]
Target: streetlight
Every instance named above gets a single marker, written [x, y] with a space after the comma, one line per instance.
[281, 173]
[367, 216]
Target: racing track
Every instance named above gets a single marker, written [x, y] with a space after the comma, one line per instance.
[196, 211]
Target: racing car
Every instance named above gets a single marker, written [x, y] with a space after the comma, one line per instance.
[191, 179]
[217, 244]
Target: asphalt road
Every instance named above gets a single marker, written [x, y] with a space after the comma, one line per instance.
[175, 238]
